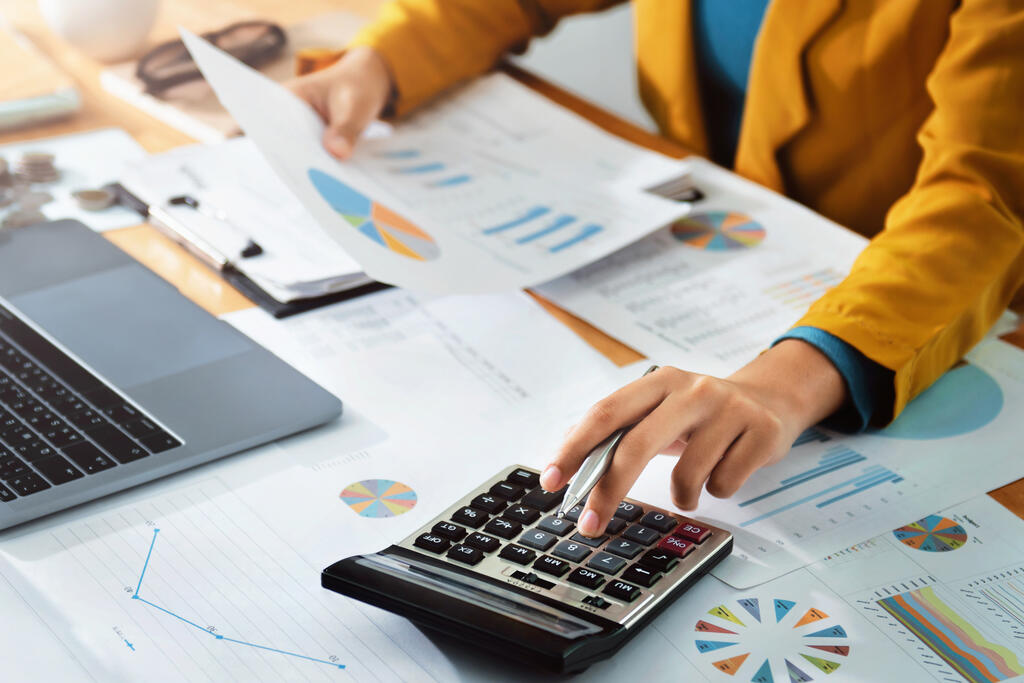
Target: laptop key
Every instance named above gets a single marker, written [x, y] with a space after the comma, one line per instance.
[89, 458]
[140, 427]
[57, 470]
[36, 450]
[28, 483]
[6, 495]
[114, 442]
[88, 419]
[121, 412]
[159, 442]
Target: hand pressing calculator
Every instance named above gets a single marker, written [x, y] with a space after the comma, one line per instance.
[499, 569]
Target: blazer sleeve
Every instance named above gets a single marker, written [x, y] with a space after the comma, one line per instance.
[951, 255]
[432, 44]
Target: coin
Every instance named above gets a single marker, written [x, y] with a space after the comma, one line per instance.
[22, 218]
[33, 199]
[94, 200]
[37, 167]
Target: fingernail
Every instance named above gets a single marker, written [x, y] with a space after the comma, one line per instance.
[551, 478]
[589, 523]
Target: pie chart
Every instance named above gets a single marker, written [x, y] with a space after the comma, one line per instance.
[719, 231]
[770, 640]
[379, 498]
[375, 221]
[933, 534]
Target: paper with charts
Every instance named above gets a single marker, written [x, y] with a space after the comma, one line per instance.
[716, 288]
[491, 188]
[937, 599]
[958, 439]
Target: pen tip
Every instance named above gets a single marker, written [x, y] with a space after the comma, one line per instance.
[560, 514]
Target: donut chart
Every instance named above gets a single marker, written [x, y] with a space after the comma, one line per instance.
[377, 498]
[765, 641]
[933, 534]
[375, 221]
[719, 231]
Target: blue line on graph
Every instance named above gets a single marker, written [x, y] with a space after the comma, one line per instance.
[868, 473]
[557, 225]
[588, 231]
[136, 596]
[535, 212]
[798, 479]
[836, 453]
[454, 180]
[809, 435]
[423, 168]
[400, 154]
[881, 479]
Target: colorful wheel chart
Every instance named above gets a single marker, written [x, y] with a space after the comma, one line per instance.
[379, 497]
[377, 222]
[933, 534]
[719, 231]
[771, 640]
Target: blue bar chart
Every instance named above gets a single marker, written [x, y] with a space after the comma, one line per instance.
[817, 486]
[564, 230]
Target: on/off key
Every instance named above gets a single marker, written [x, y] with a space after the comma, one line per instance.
[675, 545]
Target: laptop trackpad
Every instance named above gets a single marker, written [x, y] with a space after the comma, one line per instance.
[129, 325]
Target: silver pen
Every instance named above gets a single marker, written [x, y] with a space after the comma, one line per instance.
[594, 467]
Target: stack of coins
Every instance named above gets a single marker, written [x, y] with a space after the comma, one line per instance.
[36, 167]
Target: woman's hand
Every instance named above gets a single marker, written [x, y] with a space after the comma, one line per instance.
[348, 95]
[723, 430]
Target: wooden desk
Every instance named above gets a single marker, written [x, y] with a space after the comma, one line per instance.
[181, 269]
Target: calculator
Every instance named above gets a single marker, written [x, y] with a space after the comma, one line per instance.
[500, 570]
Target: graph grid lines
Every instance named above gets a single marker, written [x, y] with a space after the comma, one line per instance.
[136, 596]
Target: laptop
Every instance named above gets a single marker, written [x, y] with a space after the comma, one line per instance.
[109, 377]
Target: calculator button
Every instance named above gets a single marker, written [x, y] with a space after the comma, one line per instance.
[543, 500]
[517, 554]
[642, 575]
[592, 542]
[597, 601]
[470, 517]
[482, 541]
[641, 534]
[465, 554]
[507, 490]
[551, 565]
[629, 511]
[615, 525]
[659, 521]
[521, 513]
[432, 542]
[624, 548]
[449, 530]
[574, 552]
[626, 592]
[609, 564]
[692, 532]
[535, 538]
[676, 546]
[489, 503]
[573, 515]
[559, 526]
[659, 560]
[587, 578]
[533, 579]
[506, 528]
[524, 478]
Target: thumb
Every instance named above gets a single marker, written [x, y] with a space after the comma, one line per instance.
[348, 115]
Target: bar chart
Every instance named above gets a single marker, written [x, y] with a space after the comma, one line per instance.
[541, 222]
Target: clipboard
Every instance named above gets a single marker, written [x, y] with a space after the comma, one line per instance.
[224, 266]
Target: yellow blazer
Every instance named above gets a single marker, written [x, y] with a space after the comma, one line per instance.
[901, 119]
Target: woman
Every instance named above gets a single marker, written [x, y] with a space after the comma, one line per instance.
[901, 119]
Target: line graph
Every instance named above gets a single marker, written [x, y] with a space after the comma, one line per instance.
[218, 636]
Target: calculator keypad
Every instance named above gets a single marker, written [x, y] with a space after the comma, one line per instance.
[508, 528]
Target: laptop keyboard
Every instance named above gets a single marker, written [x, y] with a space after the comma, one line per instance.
[58, 421]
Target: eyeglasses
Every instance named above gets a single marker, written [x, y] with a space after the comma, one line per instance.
[169, 64]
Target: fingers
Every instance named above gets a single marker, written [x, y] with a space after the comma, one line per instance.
[704, 450]
[648, 438]
[349, 112]
[624, 407]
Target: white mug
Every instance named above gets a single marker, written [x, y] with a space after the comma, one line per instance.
[108, 30]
